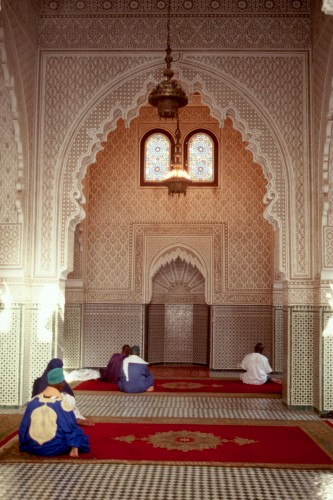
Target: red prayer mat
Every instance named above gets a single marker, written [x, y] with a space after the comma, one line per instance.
[292, 445]
[191, 385]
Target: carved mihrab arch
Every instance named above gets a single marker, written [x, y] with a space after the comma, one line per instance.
[84, 141]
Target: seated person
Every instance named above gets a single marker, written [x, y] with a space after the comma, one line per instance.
[112, 371]
[257, 368]
[41, 382]
[66, 392]
[134, 374]
[48, 426]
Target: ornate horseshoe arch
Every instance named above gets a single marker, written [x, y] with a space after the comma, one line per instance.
[171, 253]
[100, 117]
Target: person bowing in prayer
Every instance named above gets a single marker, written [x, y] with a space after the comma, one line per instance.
[257, 368]
[49, 427]
[112, 371]
[134, 374]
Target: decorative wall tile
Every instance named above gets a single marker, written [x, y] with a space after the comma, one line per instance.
[155, 333]
[327, 360]
[235, 332]
[278, 339]
[134, 25]
[301, 355]
[201, 334]
[107, 328]
[178, 337]
[72, 335]
[10, 354]
[10, 244]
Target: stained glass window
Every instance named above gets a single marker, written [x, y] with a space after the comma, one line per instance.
[200, 150]
[157, 157]
[201, 157]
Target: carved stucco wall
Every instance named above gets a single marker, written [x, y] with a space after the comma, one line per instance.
[84, 93]
[18, 58]
[132, 232]
[323, 135]
[272, 116]
[178, 282]
[138, 24]
[281, 155]
[18, 52]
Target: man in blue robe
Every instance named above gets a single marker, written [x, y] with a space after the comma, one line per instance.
[49, 427]
[134, 374]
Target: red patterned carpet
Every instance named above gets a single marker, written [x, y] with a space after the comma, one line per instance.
[292, 444]
[191, 385]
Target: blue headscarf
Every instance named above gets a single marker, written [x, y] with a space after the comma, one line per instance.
[41, 382]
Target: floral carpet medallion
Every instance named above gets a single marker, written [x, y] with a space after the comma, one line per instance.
[183, 385]
[185, 440]
[218, 442]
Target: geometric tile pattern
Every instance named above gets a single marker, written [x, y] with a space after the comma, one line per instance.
[40, 325]
[327, 361]
[72, 335]
[177, 333]
[167, 482]
[111, 212]
[10, 350]
[178, 346]
[10, 243]
[278, 338]
[236, 330]
[9, 164]
[108, 328]
[302, 333]
[87, 481]
[200, 333]
[155, 406]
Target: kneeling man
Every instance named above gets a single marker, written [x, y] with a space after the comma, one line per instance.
[49, 427]
[134, 374]
[257, 368]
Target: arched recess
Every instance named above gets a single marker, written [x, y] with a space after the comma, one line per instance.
[178, 281]
[84, 141]
[178, 320]
[171, 253]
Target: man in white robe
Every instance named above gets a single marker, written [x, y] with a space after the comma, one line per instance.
[256, 368]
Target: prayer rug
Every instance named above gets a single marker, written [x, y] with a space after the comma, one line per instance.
[303, 445]
[8, 426]
[227, 386]
[179, 371]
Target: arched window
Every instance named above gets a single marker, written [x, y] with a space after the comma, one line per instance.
[201, 157]
[157, 147]
[200, 150]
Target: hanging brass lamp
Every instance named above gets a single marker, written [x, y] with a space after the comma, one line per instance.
[168, 95]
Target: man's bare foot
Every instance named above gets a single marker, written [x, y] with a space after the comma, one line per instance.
[74, 453]
[85, 421]
[150, 389]
[277, 380]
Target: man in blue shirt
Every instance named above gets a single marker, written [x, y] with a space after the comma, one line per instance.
[49, 427]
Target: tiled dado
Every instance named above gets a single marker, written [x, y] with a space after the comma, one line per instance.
[30, 335]
[326, 322]
[300, 331]
[235, 330]
[308, 368]
[107, 327]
